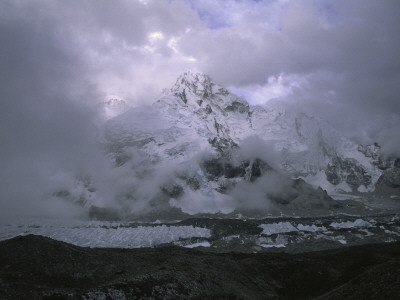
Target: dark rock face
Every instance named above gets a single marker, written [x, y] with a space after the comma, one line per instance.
[374, 151]
[172, 190]
[397, 163]
[298, 194]
[193, 183]
[213, 168]
[284, 192]
[222, 144]
[208, 109]
[238, 106]
[101, 213]
[382, 164]
[389, 182]
[232, 171]
[220, 167]
[258, 168]
[35, 267]
[182, 96]
[347, 170]
[390, 178]
[370, 150]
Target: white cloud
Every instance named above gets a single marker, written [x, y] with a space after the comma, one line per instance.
[277, 87]
[154, 36]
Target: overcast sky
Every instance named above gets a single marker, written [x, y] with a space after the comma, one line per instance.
[336, 59]
[332, 58]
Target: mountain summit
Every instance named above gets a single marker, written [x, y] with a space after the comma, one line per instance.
[196, 88]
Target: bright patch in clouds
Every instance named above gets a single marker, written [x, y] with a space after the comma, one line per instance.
[190, 59]
[154, 36]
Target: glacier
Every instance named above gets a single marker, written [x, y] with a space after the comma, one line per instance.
[97, 234]
[295, 234]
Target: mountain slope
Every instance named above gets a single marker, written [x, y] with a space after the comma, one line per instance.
[199, 147]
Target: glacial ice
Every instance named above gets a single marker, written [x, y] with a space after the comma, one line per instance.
[105, 234]
[280, 227]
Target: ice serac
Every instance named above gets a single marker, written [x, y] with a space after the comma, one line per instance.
[206, 142]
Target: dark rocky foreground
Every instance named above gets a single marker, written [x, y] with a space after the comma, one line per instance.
[36, 267]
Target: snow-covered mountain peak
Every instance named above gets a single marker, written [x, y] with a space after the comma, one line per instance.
[195, 83]
[211, 141]
[197, 90]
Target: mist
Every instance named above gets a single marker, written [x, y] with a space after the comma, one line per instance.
[47, 124]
